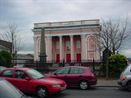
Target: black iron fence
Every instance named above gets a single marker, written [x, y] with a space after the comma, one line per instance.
[51, 65]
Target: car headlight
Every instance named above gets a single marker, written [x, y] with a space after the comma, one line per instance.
[56, 86]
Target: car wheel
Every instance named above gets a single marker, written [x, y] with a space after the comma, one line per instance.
[129, 85]
[83, 85]
[42, 92]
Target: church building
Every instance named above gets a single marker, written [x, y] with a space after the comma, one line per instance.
[69, 41]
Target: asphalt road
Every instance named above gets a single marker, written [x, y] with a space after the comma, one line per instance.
[99, 92]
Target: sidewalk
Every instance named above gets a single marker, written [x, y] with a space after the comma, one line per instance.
[107, 83]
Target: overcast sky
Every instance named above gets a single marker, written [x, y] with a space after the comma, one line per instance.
[24, 13]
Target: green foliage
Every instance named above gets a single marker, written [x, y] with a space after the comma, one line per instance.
[5, 59]
[116, 64]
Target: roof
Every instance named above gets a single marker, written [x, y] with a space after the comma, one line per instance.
[67, 23]
[6, 44]
[25, 56]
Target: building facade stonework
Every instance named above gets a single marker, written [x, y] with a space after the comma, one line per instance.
[69, 41]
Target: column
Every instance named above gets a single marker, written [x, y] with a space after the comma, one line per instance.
[72, 47]
[61, 49]
[49, 48]
[35, 49]
[84, 47]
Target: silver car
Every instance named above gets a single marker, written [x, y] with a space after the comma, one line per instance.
[125, 78]
[7, 90]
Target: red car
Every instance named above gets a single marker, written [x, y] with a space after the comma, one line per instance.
[31, 81]
[75, 76]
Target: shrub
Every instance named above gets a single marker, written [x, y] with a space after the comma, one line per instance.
[116, 64]
[5, 58]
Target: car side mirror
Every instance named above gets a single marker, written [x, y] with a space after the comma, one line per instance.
[27, 78]
[55, 73]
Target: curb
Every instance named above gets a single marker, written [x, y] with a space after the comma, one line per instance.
[105, 86]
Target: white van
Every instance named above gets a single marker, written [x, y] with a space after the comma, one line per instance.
[125, 78]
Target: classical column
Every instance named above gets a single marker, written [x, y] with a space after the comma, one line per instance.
[84, 47]
[49, 48]
[35, 49]
[72, 47]
[61, 49]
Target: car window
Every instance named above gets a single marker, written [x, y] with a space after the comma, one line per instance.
[35, 74]
[62, 71]
[20, 74]
[7, 73]
[76, 70]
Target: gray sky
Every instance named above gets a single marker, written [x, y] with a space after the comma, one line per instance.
[24, 13]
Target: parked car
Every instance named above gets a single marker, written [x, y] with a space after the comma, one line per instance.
[2, 68]
[75, 76]
[7, 90]
[31, 81]
[125, 78]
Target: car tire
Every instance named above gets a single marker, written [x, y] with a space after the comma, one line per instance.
[129, 85]
[42, 92]
[83, 85]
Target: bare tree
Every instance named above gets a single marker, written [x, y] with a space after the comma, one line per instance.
[12, 36]
[113, 34]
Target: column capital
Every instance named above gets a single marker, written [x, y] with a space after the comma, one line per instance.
[71, 35]
[83, 35]
[60, 36]
[48, 37]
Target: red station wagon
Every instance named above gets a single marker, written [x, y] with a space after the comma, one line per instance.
[31, 81]
[75, 76]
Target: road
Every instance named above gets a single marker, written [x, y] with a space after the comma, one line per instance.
[99, 92]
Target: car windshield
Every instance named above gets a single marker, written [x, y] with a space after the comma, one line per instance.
[127, 69]
[35, 74]
[7, 90]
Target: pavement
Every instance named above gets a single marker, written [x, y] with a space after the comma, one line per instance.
[107, 83]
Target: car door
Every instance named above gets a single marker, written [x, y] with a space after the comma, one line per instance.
[62, 73]
[21, 81]
[74, 76]
[8, 75]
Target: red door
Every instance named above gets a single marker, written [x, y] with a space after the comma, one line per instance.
[57, 58]
[78, 57]
[68, 58]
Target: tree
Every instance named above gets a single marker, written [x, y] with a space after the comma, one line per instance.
[5, 59]
[12, 36]
[113, 34]
[111, 37]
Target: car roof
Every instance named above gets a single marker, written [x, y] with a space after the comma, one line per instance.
[77, 67]
[16, 68]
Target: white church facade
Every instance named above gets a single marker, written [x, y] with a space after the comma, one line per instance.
[71, 41]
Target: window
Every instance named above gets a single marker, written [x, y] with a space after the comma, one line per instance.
[20, 74]
[62, 71]
[35, 74]
[76, 71]
[7, 73]
[57, 45]
[78, 44]
[67, 44]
